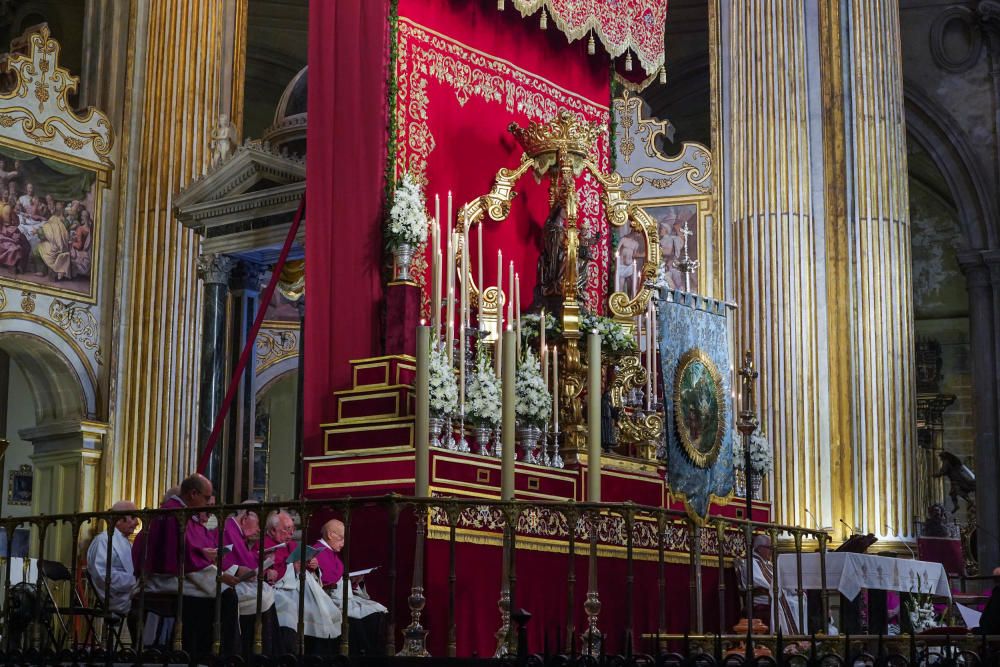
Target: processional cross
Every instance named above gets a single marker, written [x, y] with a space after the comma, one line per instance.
[686, 265]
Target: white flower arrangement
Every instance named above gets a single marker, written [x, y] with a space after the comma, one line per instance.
[534, 403]
[761, 456]
[483, 395]
[408, 219]
[443, 385]
[614, 337]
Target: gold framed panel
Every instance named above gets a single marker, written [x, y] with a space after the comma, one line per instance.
[669, 213]
[699, 407]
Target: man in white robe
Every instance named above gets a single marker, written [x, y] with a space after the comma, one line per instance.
[763, 577]
[122, 579]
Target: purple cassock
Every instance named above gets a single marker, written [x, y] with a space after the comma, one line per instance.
[241, 555]
[331, 568]
[155, 548]
[160, 543]
[197, 538]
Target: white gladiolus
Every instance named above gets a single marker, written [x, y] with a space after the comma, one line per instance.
[483, 395]
[443, 385]
[408, 216]
[534, 403]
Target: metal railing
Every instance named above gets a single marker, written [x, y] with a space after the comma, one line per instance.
[34, 614]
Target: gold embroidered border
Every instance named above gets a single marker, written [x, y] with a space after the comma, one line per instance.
[423, 55]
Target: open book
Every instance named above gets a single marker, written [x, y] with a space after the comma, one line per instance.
[271, 550]
[296, 556]
[361, 573]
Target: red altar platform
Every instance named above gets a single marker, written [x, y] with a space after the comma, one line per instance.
[368, 451]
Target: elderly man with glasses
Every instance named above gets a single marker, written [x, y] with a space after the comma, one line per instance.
[321, 618]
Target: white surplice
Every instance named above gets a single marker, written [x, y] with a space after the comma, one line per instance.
[321, 618]
[122, 572]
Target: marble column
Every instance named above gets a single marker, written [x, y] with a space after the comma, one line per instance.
[172, 84]
[237, 463]
[214, 270]
[816, 157]
[777, 241]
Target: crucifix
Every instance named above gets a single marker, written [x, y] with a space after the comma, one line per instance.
[686, 265]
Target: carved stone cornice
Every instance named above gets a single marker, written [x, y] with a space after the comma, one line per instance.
[214, 269]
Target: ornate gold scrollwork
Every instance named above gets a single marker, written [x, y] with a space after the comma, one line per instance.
[619, 303]
[637, 431]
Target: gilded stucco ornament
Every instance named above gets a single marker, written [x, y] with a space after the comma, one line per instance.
[37, 110]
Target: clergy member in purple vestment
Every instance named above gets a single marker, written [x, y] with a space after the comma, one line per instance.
[158, 558]
[365, 615]
[241, 532]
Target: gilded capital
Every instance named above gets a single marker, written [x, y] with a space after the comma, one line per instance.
[214, 268]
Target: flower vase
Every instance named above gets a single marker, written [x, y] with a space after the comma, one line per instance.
[436, 424]
[403, 255]
[529, 435]
[482, 435]
[756, 485]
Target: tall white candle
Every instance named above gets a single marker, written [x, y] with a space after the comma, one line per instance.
[421, 445]
[649, 363]
[652, 356]
[542, 356]
[480, 285]
[594, 417]
[498, 356]
[450, 310]
[517, 309]
[510, 294]
[555, 388]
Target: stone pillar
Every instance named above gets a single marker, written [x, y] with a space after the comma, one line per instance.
[777, 243]
[213, 269]
[821, 252]
[177, 61]
[65, 479]
[238, 457]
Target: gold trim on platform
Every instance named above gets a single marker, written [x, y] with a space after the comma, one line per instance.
[341, 419]
[371, 385]
[406, 423]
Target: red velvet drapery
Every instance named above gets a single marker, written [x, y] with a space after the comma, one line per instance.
[348, 60]
[464, 72]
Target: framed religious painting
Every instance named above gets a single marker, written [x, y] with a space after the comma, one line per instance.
[678, 220]
[54, 167]
[50, 222]
[699, 407]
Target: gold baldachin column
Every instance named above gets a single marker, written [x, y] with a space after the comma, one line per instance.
[775, 247]
[878, 243]
[157, 413]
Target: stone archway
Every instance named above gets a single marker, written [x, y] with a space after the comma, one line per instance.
[61, 439]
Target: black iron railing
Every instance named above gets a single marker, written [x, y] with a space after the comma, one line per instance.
[53, 618]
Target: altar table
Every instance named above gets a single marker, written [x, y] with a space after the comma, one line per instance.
[849, 573]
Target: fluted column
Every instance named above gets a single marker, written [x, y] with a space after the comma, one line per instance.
[815, 150]
[878, 264]
[777, 249]
[173, 100]
[239, 445]
[214, 271]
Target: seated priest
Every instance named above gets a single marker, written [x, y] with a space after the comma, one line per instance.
[241, 533]
[321, 618]
[121, 582]
[763, 579]
[366, 616]
[157, 556]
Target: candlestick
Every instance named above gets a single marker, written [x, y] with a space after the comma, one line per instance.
[422, 444]
[466, 276]
[479, 266]
[463, 320]
[594, 417]
[555, 388]
[507, 454]
[450, 310]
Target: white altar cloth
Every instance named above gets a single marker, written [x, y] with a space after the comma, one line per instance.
[849, 573]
